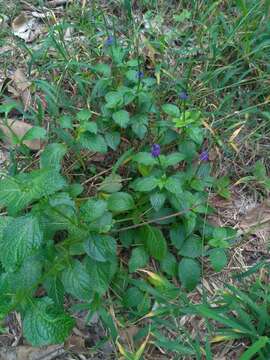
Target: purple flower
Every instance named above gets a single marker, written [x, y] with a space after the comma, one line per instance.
[204, 155]
[155, 150]
[183, 95]
[140, 74]
[109, 41]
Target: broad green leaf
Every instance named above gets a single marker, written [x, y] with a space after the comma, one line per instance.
[93, 209]
[114, 99]
[45, 324]
[259, 171]
[178, 236]
[139, 129]
[52, 156]
[36, 132]
[157, 200]
[218, 259]
[77, 281]
[132, 297]
[121, 118]
[55, 289]
[169, 265]
[192, 247]
[100, 247]
[173, 185]
[145, 158]
[111, 184]
[102, 224]
[154, 241]
[4, 221]
[145, 184]
[21, 237]
[139, 258]
[93, 142]
[174, 159]
[189, 272]
[90, 126]
[83, 115]
[19, 191]
[66, 122]
[113, 139]
[101, 273]
[120, 202]
[171, 110]
[128, 237]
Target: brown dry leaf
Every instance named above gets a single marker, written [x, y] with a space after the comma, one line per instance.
[30, 353]
[76, 343]
[19, 128]
[257, 219]
[55, 3]
[21, 86]
[26, 28]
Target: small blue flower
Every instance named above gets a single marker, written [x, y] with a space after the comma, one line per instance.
[140, 74]
[155, 150]
[204, 155]
[183, 95]
[109, 41]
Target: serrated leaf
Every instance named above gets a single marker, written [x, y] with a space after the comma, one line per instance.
[121, 118]
[173, 185]
[83, 115]
[77, 281]
[120, 202]
[55, 289]
[101, 273]
[145, 184]
[43, 324]
[218, 259]
[192, 247]
[100, 247]
[52, 156]
[145, 158]
[157, 200]
[93, 209]
[21, 237]
[154, 241]
[177, 236]
[19, 191]
[139, 258]
[189, 272]
[114, 99]
[169, 265]
[93, 142]
[171, 110]
[113, 139]
[90, 126]
[111, 183]
[132, 297]
[35, 132]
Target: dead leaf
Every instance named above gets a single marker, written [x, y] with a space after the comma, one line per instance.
[26, 28]
[55, 3]
[257, 219]
[30, 353]
[20, 88]
[19, 128]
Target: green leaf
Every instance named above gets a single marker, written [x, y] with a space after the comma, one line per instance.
[218, 259]
[83, 115]
[90, 126]
[43, 324]
[173, 185]
[189, 272]
[100, 247]
[171, 110]
[55, 289]
[145, 184]
[21, 237]
[114, 99]
[112, 139]
[101, 273]
[132, 297]
[145, 158]
[120, 202]
[178, 236]
[255, 348]
[192, 247]
[93, 142]
[19, 191]
[93, 209]
[139, 258]
[155, 242]
[139, 125]
[157, 200]
[259, 171]
[66, 122]
[77, 281]
[36, 132]
[174, 159]
[111, 184]
[52, 156]
[121, 118]
[169, 265]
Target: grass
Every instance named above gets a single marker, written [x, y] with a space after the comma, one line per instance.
[218, 52]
